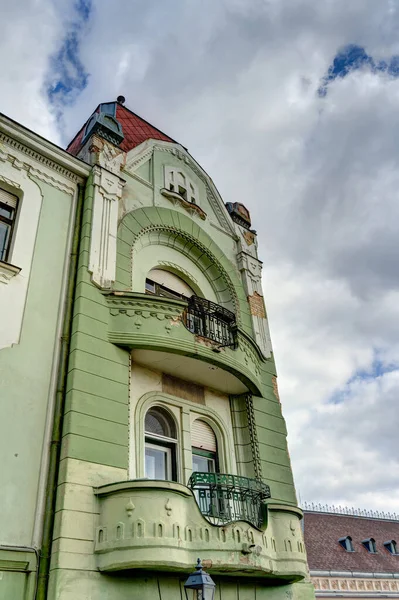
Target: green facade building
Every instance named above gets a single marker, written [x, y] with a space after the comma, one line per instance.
[172, 440]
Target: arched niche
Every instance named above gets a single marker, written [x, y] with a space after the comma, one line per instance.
[165, 227]
[148, 256]
[160, 248]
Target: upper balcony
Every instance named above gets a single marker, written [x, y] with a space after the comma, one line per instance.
[195, 335]
[158, 525]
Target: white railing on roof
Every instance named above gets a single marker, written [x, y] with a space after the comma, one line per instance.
[345, 510]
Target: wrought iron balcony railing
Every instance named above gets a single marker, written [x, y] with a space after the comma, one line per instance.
[226, 498]
[209, 320]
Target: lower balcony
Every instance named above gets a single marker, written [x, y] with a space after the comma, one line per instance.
[158, 526]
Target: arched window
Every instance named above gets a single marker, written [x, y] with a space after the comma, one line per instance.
[204, 447]
[160, 445]
[346, 543]
[164, 283]
[369, 544]
[391, 546]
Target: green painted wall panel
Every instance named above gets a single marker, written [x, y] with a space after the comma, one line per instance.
[269, 422]
[95, 428]
[89, 404]
[99, 386]
[85, 324]
[96, 310]
[96, 451]
[103, 349]
[271, 438]
[278, 473]
[103, 367]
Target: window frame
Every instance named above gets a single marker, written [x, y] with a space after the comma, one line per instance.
[163, 442]
[172, 184]
[370, 545]
[346, 543]
[182, 411]
[11, 223]
[391, 547]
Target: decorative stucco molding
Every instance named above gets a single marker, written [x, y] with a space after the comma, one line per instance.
[43, 173]
[191, 208]
[251, 272]
[102, 259]
[7, 271]
[39, 150]
[13, 295]
[355, 586]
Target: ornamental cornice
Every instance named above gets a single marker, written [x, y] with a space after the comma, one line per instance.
[44, 160]
[356, 585]
[44, 174]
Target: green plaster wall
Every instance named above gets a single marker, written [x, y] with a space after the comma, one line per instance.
[25, 372]
[96, 411]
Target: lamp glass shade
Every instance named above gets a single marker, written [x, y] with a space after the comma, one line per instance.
[199, 585]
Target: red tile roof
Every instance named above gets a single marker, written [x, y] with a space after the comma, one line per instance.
[322, 532]
[135, 129]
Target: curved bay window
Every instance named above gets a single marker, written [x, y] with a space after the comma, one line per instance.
[160, 445]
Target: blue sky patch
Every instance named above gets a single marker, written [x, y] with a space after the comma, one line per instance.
[353, 57]
[378, 368]
[67, 76]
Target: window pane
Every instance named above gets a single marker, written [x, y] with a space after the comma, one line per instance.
[159, 422]
[156, 462]
[6, 211]
[203, 464]
[4, 237]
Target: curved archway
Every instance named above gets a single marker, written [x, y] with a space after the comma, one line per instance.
[186, 256]
[162, 223]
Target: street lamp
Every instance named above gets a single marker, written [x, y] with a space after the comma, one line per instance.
[201, 583]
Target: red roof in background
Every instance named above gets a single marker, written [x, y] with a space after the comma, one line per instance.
[322, 532]
[135, 129]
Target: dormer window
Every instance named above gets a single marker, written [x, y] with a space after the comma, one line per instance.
[346, 543]
[369, 544]
[391, 546]
[178, 182]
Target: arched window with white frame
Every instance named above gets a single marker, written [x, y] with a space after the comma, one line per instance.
[160, 445]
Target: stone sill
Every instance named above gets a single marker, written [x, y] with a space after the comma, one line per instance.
[189, 206]
[8, 271]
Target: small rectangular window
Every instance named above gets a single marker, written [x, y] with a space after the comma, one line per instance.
[8, 207]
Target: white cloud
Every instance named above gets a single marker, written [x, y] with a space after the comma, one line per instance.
[236, 82]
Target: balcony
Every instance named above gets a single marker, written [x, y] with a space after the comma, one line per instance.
[158, 526]
[227, 498]
[211, 321]
[221, 354]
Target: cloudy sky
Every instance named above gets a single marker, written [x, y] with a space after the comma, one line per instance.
[292, 106]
